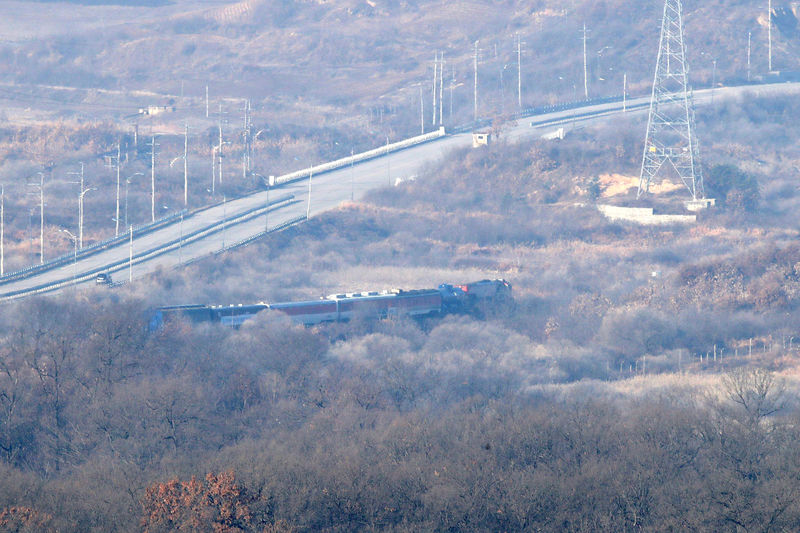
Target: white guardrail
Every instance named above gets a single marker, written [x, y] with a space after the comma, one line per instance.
[357, 158]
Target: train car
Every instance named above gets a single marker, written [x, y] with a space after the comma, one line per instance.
[384, 304]
[487, 289]
[194, 312]
[235, 315]
[374, 305]
[309, 312]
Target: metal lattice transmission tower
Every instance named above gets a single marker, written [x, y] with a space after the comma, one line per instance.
[670, 134]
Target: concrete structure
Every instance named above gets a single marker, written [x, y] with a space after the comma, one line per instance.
[480, 138]
[553, 135]
[699, 205]
[156, 110]
[643, 216]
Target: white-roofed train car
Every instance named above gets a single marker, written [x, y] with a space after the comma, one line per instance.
[309, 312]
[388, 304]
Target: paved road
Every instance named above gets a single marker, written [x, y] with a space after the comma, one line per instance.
[327, 192]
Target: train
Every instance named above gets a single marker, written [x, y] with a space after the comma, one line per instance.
[415, 303]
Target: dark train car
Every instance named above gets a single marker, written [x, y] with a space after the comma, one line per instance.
[235, 315]
[232, 315]
[487, 289]
[193, 312]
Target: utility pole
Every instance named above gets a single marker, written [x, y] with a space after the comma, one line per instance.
[421, 112]
[308, 206]
[116, 220]
[219, 127]
[625, 92]
[519, 71]
[475, 91]
[441, 89]
[213, 169]
[81, 211]
[153, 179]
[185, 165]
[452, 86]
[388, 163]
[270, 183]
[769, 32]
[246, 143]
[435, 65]
[41, 218]
[585, 67]
[80, 203]
[749, 34]
[180, 243]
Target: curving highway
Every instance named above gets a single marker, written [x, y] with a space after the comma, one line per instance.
[235, 222]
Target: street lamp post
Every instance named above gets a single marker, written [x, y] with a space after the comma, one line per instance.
[80, 214]
[308, 206]
[41, 218]
[41, 215]
[224, 217]
[599, 57]
[268, 184]
[130, 255]
[81, 194]
[75, 255]
[503, 89]
[127, 184]
[116, 220]
[713, 78]
[185, 158]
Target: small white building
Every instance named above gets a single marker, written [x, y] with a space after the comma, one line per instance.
[481, 138]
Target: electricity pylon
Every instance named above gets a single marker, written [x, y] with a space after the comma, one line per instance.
[670, 126]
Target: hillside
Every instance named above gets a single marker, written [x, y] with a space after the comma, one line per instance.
[664, 359]
[321, 61]
[323, 79]
[642, 379]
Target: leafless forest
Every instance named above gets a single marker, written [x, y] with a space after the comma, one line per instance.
[643, 378]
